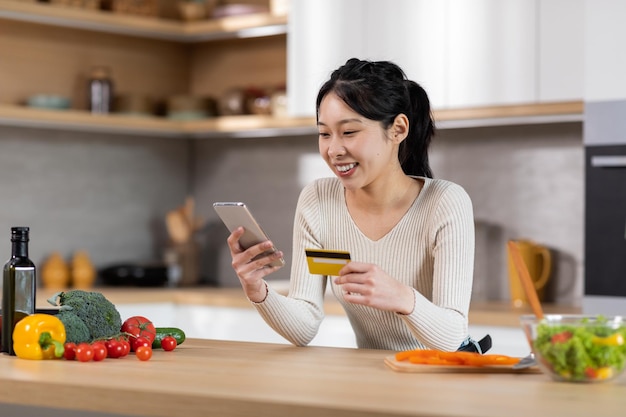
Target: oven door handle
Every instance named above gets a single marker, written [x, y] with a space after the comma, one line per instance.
[608, 161]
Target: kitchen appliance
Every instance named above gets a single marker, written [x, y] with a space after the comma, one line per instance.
[148, 274]
[605, 208]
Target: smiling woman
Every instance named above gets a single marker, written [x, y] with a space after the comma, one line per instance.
[410, 237]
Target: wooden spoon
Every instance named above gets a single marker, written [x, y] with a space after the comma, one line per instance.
[527, 283]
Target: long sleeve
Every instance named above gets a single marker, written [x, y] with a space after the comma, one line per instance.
[431, 249]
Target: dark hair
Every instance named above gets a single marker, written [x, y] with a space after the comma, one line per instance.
[381, 91]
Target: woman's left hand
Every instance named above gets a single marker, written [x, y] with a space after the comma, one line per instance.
[367, 284]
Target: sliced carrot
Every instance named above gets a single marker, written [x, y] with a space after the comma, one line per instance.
[404, 355]
[436, 357]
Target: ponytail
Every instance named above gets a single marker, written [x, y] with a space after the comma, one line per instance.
[413, 152]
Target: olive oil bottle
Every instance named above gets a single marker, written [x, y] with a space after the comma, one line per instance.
[18, 287]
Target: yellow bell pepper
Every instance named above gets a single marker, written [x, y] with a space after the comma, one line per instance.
[616, 339]
[39, 336]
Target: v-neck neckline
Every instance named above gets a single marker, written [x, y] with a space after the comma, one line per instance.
[402, 219]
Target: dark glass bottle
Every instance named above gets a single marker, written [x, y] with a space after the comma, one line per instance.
[100, 90]
[18, 286]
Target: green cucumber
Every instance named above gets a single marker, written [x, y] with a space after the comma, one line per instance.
[161, 332]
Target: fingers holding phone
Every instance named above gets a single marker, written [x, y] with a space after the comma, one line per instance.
[262, 255]
[253, 254]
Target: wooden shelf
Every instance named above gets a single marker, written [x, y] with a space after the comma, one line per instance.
[267, 126]
[239, 126]
[245, 26]
[531, 113]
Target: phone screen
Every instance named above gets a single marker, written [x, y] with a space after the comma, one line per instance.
[236, 214]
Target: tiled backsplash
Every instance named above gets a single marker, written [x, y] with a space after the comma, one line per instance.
[109, 194]
[105, 194]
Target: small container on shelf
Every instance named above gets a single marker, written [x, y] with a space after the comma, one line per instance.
[191, 10]
[185, 107]
[100, 90]
[134, 7]
[258, 101]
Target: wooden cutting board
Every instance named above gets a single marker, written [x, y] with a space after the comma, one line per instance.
[405, 366]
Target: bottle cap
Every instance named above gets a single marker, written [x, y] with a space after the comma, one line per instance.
[20, 233]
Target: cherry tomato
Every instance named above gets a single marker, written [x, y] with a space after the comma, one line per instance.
[99, 351]
[70, 351]
[137, 326]
[114, 348]
[139, 341]
[84, 352]
[168, 343]
[125, 347]
[144, 353]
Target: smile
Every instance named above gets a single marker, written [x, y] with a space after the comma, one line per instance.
[346, 168]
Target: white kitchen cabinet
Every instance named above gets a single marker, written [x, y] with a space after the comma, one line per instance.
[466, 53]
[561, 50]
[323, 34]
[245, 324]
[492, 52]
[413, 34]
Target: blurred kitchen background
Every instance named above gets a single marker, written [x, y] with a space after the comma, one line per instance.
[107, 187]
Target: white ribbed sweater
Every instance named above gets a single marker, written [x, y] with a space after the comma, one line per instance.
[431, 249]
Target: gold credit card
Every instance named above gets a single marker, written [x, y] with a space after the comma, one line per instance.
[326, 262]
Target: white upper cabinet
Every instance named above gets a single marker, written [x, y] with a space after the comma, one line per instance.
[411, 33]
[561, 50]
[465, 53]
[491, 50]
[322, 35]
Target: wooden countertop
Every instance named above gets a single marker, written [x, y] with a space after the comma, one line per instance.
[483, 313]
[210, 377]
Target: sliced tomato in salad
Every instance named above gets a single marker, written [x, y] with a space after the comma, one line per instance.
[561, 337]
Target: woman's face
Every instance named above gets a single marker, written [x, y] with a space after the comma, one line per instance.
[357, 149]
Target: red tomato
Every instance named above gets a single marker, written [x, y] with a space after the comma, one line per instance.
[84, 352]
[139, 341]
[70, 351]
[561, 337]
[99, 351]
[114, 348]
[144, 353]
[168, 343]
[125, 347]
[139, 326]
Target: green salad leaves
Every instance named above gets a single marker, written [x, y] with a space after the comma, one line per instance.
[586, 351]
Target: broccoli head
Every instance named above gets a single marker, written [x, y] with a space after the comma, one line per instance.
[97, 313]
[76, 330]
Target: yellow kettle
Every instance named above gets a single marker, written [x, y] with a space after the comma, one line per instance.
[538, 260]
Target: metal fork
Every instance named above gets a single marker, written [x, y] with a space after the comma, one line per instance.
[526, 362]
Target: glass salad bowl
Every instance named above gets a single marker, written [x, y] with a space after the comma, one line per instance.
[577, 348]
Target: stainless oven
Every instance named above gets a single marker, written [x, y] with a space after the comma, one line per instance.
[605, 208]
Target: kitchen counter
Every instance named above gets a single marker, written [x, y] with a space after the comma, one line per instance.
[482, 313]
[224, 378]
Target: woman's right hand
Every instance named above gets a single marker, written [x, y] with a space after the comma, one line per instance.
[251, 271]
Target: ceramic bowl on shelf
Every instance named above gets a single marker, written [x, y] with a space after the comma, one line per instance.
[48, 101]
[578, 348]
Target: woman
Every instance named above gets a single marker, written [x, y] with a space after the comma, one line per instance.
[410, 237]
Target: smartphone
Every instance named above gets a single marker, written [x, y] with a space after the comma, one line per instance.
[235, 214]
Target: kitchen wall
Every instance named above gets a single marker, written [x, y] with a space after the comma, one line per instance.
[108, 194]
[105, 194]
